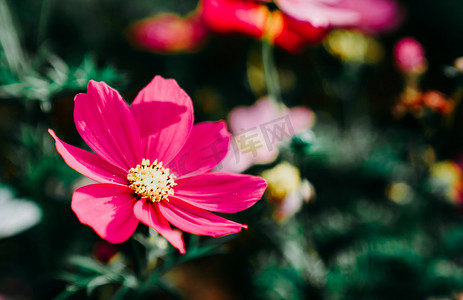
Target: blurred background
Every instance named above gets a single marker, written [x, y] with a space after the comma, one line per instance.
[356, 128]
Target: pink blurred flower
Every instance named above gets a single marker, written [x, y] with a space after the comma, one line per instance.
[152, 166]
[168, 33]
[258, 130]
[409, 56]
[256, 20]
[368, 15]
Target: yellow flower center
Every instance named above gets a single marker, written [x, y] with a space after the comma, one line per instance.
[151, 181]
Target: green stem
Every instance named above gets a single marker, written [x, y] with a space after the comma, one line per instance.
[271, 74]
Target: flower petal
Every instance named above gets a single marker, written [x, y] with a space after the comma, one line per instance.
[196, 220]
[105, 123]
[149, 214]
[301, 118]
[205, 148]
[164, 113]
[319, 12]
[221, 192]
[108, 209]
[89, 164]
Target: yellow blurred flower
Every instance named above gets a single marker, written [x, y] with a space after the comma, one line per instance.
[285, 190]
[353, 46]
[400, 192]
[282, 180]
[449, 175]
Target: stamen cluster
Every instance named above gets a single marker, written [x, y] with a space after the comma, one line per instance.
[151, 181]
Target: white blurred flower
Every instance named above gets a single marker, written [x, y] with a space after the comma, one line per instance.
[16, 215]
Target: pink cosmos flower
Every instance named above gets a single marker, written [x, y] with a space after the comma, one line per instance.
[258, 131]
[151, 164]
[369, 15]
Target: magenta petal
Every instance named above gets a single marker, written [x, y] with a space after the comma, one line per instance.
[221, 192]
[108, 209]
[196, 220]
[149, 214]
[89, 164]
[206, 146]
[164, 113]
[105, 123]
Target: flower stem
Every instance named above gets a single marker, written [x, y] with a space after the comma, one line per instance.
[271, 74]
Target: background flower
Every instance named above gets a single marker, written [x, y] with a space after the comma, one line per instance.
[256, 20]
[368, 15]
[258, 130]
[168, 33]
[409, 55]
[286, 190]
[16, 215]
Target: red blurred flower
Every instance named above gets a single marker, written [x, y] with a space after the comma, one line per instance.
[256, 20]
[292, 35]
[416, 102]
[104, 251]
[168, 33]
[437, 102]
[234, 16]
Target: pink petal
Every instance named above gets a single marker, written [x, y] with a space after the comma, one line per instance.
[206, 147]
[221, 192]
[105, 123]
[266, 156]
[149, 214]
[290, 206]
[376, 15]
[320, 12]
[108, 209]
[244, 118]
[301, 118]
[195, 220]
[89, 164]
[164, 113]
